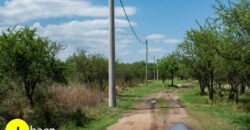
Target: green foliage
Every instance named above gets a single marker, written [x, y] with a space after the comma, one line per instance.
[138, 70]
[220, 108]
[218, 52]
[233, 29]
[168, 67]
[162, 67]
[129, 71]
[92, 70]
[29, 59]
[89, 69]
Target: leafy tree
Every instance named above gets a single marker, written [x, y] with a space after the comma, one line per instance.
[30, 59]
[201, 56]
[168, 66]
[124, 73]
[162, 67]
[233, 28]
[172, 63]
[138, 70]
[219, 51]
[89, 69]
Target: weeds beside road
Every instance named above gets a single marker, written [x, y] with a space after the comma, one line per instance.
[221, 114]
[103, 116]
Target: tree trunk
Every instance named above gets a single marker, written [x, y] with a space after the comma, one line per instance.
[231, 93]
[242, 88]
[29, 89]
[202, 88]
[236, 96]
[210, 86]
[211, 92]
[172, 79]
[31, 100]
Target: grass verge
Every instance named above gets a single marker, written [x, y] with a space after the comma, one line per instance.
[104, 116]
[162, 103]
[219, 114]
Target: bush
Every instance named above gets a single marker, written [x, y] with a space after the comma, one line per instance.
[30, 59]
[60, 105]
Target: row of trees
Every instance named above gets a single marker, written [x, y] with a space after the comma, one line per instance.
[217, 53]
[31, 61]
[29, 66]
[92, 70]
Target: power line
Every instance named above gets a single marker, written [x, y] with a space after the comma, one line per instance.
[140, 41]
[150, 55]
[136, 36]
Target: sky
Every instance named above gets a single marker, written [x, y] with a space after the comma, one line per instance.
[83, 24]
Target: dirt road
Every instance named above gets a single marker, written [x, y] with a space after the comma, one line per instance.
[150, 115]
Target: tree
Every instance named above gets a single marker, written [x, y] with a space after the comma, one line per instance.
[138, 70]
[30, 59]
[233, 28]
[90, 69]
[219, 50]
[124, 73]
[172, 66]
[197, 50]
[162, 67]
[168, 66]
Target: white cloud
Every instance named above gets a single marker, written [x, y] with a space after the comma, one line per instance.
[171, 41]
[64, 54]
[155, 37]
[89, 30]
[124, 53]
[153, 50]
[162, 38]
[91, 35]
[18, 11]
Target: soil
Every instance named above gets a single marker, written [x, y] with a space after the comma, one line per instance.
[149, 115]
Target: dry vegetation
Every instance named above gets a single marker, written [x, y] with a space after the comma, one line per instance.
[75, 96]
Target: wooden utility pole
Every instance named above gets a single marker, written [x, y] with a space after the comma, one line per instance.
[146, 62]
[112, 90]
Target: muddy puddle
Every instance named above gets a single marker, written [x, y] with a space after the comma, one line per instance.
[179, 126]
[173, 101]
[149, 101]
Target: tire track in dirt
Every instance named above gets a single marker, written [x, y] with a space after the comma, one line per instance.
[148, 115]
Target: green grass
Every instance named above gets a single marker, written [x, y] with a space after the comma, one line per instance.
[237, 116]
[220, 114]
[126, 98]
[162, 103]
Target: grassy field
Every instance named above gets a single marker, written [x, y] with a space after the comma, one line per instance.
[219, 114]
[103, 116]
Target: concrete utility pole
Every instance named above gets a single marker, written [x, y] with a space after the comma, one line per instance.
[146, 62]
[112, 90]
[154, 67]
[157, 74]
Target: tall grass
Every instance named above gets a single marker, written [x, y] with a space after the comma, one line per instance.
[55, 105]
[222, 108]
[75, 96]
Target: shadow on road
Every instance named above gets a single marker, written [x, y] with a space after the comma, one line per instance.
[154, 108]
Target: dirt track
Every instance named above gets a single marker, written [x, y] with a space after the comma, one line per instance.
[148, 115]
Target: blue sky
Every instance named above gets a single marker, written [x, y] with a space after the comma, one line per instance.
[83, 24]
